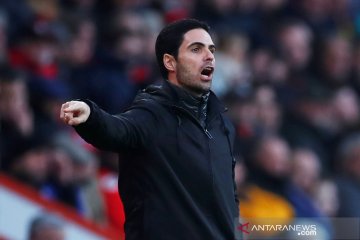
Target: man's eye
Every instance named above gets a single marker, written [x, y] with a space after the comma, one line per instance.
[195, 49]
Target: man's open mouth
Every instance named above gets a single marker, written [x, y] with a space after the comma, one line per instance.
[207, 71]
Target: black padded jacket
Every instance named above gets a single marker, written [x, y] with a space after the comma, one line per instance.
[177, 179]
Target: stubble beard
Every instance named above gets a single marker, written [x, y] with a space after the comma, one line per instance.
[188, 81]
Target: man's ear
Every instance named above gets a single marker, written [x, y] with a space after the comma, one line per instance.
[169, 62]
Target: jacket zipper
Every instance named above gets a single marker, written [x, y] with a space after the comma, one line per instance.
[208, 134]
[206, 131]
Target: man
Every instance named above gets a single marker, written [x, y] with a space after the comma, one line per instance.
[178, 180]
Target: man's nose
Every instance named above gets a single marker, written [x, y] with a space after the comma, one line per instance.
[209, 55]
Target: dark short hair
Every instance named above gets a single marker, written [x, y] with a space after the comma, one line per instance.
[171, 37]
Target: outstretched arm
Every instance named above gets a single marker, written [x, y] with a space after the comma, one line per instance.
[106, 131]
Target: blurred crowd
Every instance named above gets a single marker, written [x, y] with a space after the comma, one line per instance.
[289, 72]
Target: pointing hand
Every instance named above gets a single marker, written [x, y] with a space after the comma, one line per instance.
[74, 112]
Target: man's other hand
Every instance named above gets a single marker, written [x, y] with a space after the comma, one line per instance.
[74, 112]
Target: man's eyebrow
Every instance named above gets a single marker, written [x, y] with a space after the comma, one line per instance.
[201, 44]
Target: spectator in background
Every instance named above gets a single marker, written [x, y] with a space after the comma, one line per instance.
[254, 113]
[307, 176]
[320, 119]
[46, 227]
[20, 125]
[333, 69]
[260, 61]
[264, 196]
[294, 43]
[29, 162]
[232, 67]
[73, 178]
[14, 102]
[346, 110]
[310, 123]
[81, 41]
[294, 46]
[269, 112]
[306, 170]
[37, 56]
[270, 170]
[36, 52]
[270, 193]
[134, 37]
[243, 114]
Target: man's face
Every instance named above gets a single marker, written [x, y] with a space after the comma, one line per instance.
[196, 62]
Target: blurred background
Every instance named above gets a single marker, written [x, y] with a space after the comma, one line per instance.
[289, 72]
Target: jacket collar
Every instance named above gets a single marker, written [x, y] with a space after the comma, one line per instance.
[165, 93]
[196, 106]
[179, 97]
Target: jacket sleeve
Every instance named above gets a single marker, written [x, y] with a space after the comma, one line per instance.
[127, 130]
